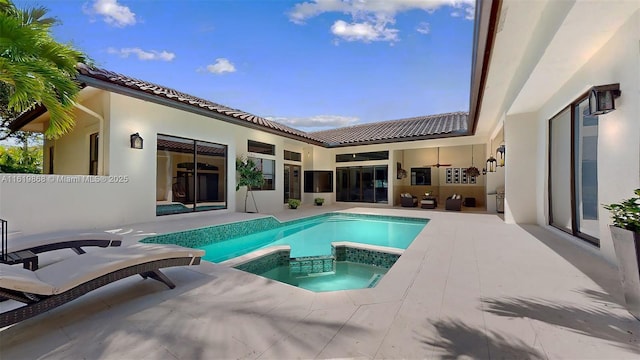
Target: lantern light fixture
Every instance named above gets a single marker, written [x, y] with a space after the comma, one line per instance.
[491, 164]
[601, 98]
[500, 155]
[136, 141]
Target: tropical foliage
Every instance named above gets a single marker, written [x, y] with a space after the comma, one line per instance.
[37, 68]
[249, 176]
[626, 214]
[16, 159]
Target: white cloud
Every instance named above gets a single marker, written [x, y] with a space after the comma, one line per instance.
[369, 18]
[424, 28]
[143, 54]
[364, 31]
[318, 121]
[112, 12]
[221, 66]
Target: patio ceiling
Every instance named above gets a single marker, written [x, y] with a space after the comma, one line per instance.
[539, 46]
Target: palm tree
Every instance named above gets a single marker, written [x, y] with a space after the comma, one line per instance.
[249, 176]
[37, 68]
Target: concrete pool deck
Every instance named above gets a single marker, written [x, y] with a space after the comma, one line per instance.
[469, 286]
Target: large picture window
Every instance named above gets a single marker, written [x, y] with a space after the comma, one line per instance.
[573, 172]
[318, 181]
[191, 175]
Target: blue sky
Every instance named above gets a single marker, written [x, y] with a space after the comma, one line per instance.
[311, 65]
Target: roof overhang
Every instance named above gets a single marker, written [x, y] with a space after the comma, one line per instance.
[487, 13]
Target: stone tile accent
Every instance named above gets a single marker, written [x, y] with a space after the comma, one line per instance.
[266, 263]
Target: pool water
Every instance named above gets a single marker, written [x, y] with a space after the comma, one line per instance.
[347, 276]
[313, 237]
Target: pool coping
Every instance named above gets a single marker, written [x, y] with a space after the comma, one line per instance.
[260, 253]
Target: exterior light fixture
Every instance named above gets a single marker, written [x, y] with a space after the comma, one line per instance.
[601, 98]
[491, 164]
[500, 154]
[136, 141]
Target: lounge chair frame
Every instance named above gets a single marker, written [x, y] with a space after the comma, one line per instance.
[38, 304]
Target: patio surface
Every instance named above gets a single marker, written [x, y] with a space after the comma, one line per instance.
[469, 286]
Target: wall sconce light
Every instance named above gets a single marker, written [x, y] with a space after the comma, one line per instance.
[500, 154]
[136, 141]
[601, 98]
[491, 164]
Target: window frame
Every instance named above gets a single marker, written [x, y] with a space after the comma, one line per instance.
[575, 229]
[267, 149]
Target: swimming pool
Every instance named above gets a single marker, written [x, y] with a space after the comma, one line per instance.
[313, 236]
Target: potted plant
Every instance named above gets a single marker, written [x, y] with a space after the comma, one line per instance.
[318, 201]
[294, 203]
[625, 233]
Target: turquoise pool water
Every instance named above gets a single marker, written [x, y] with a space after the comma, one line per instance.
[313, 237]
[347, 276]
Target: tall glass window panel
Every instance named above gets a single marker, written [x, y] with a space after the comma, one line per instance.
[342, 184]
[268, 168]
[211, 161]
[292, 182]
[382, 184]
[175, 181]
[560, 170]
[586, 170]
[93, 153]
[368, 184]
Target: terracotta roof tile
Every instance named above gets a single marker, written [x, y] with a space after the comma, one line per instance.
[417, 128]
[403, 129]
[150, 88]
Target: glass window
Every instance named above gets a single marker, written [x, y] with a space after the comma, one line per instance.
[318, 181]
[190, 175]
[366, 156]
[573, 172]
[362, 184]
[292, 155]
[268, 168]
[586, 169]
[93, 153]
[261, 148]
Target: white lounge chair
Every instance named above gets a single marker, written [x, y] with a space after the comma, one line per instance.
[66, 280]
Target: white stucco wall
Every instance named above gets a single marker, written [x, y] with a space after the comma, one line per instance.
[521, 170]
[618, 61]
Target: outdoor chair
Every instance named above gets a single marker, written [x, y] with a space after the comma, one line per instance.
[66, 280]
[454, 203]
[408, 200]
[24, 250]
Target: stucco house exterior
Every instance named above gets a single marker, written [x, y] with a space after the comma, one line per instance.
[534, 64]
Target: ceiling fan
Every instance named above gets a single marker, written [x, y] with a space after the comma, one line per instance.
[437, 165]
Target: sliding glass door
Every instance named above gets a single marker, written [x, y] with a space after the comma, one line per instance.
[362, 184]
[573, 172]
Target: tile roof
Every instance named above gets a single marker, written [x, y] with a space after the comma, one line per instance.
[190, 100]
[416, 128]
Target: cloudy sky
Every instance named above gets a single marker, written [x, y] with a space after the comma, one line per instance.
[312, 65]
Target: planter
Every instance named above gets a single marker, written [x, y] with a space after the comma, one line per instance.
[626, 244]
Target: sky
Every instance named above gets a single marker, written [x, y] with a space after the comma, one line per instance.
[312, 64]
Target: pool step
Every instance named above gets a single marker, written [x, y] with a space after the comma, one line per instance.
[375, 279]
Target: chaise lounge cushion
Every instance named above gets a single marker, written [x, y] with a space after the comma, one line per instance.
[19, 279]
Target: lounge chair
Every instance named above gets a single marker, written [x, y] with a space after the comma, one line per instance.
[40, 243]
[24, 250]
[66, 280]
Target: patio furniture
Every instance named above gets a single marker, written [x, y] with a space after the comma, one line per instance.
[429, 202]
[454, 203]
[66, 280]
[24, 249]
[408, 200]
